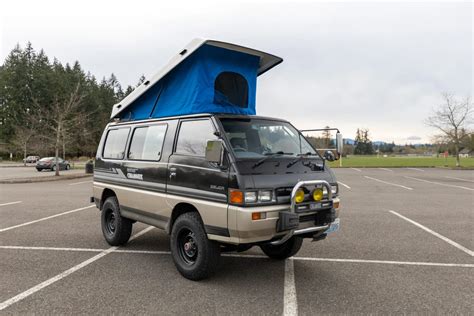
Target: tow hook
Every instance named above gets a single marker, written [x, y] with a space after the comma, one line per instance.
[318, 237]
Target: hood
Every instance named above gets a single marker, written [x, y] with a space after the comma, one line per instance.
[276, 173]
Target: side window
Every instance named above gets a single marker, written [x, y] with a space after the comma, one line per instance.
[115, 143]
[193, 137]
[147, 142]
[231, 88]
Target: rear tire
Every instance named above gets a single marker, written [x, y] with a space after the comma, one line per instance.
[116, 229]
[285, 250]
[194, 255]
[39, 170]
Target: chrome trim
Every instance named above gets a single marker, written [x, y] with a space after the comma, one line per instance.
[310, 229]
[195, 167]
[293, 208]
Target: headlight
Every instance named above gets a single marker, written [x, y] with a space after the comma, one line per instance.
[264, 196]
[250, 197]
[299, 196]
[333, 190]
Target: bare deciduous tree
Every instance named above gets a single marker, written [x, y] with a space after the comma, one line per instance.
[61, 116]
[452, 118]
[23, 136]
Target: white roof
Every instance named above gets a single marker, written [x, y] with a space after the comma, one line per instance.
[267, 61]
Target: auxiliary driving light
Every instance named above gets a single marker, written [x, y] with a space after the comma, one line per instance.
[299, 196]
[317, 194]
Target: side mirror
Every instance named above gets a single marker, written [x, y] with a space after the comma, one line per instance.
[339, 143]
[215, 151]
[329, 155]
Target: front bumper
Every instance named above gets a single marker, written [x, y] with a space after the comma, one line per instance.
[243, 229]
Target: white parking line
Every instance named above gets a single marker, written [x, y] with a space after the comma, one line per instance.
[386, 169]
[290, 304]
[443, 184]
[250, 256]
[10, 203]
[82, 182]
[389, 183]
[45, 218]
[416, 169]
[64, 274]
[409, 263]
[53, 248]
[344, 185]
[460, 179]
[449, 241]
[356, 169]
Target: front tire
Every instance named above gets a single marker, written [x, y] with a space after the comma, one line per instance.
[285, 250]
[194, 255]
[115, 228]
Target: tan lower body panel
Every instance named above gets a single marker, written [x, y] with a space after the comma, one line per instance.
[238, 220]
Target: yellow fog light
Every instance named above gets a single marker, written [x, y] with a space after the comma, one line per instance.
[318, 194]
[299, 196]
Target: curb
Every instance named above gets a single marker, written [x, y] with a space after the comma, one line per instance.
[17, 166]
[44, 179]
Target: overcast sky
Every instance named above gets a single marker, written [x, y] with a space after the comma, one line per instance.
[351, 64]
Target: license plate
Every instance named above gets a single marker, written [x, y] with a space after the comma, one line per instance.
[314, 206]
[334, 227]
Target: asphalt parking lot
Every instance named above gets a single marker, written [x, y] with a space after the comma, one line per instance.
[405, 246]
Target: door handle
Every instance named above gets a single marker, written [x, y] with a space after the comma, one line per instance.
[172, 172]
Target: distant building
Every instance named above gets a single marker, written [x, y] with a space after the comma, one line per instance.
[466, 152]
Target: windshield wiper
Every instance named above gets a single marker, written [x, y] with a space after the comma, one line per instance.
[300, 157]
[268, 156]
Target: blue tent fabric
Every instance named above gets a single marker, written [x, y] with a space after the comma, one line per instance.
[190, 87]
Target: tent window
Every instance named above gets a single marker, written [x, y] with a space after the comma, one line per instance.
[231, 88]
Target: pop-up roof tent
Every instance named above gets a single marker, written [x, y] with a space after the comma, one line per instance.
[205, 77]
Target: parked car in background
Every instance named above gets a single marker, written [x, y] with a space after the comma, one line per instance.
[49, 163]
[31, 159]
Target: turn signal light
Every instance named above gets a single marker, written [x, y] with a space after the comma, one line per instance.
[299, 196]
[236, 196]
[335, 204]
[317, 194]
[258, 215]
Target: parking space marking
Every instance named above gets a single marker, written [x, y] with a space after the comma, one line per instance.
[410, 263]
[443, 184]
[460, 179]
[356, 169]
[10, 203]
[46, 218]
[290, 304]
[82, 182]
[389, 183]
[250, 256]
[53, 248]
[449, 241]
[344, 185]
[386, 169]
[416, 169]
[64, 274]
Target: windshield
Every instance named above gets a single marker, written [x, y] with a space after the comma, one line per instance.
[257, 138]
